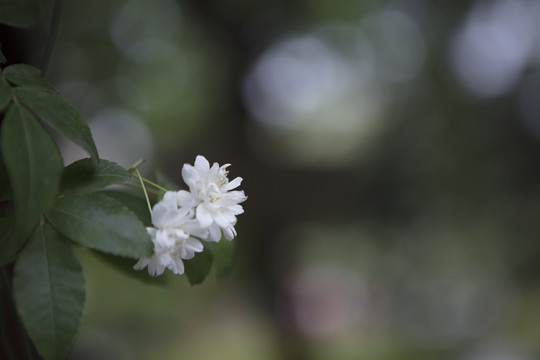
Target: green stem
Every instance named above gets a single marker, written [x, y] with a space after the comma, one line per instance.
[144, 190]
[136, 165]
[51, 38]
[155, 185]
[138, 187]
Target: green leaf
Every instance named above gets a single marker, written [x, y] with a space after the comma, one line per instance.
[27, 76]
[224, 253]
[3, 59]
[101, 223]
[5, 93]
[49, 292]
[10, 242]
[19, 12]
[34, 166]
[82, 176]
[135, 203]
[198, 268]
[125, 266]
[58, 114]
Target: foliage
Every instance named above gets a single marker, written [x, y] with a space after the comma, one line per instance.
[46, 208]
[220, 254]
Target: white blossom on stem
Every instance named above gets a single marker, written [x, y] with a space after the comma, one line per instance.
[172, 237]
[183, 218]
[210, 193]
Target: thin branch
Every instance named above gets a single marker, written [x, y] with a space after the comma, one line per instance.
[144, 190]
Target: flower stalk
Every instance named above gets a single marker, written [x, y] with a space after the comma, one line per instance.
[144, 190]
[135, 168]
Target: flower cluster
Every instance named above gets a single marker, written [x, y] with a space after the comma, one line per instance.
[182, 219]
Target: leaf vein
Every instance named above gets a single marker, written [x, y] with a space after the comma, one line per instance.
[50, 283]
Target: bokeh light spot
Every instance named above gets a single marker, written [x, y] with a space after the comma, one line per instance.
[492, 48]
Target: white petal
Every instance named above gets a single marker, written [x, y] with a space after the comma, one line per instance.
[238, 196]
[186, 199]
[193, 227]
[221, 220]
[223, 169]
[236, 209]
[204, 216]
[214, 233]
[233, 184]
[190, 176]
[164, 259]
[194, 245]
[201, 163]
[169, 199]
[187, 255]
[165, 219]
[141, 264]
[215, 171]
[229, 216]
[179, 234]
[231, 198]
[229, 233]
[165, 212]
[177, 266]
[164, 239]
[154, 268]
[158, 213]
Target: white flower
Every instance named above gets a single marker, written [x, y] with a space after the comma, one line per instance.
[169, 257]
[183, 218]
[172, 237]
[216, 206]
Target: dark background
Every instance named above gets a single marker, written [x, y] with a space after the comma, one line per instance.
[389, 150]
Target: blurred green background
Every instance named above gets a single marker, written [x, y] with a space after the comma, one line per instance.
[390, 151]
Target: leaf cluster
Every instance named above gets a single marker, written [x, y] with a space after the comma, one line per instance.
[47, 208]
